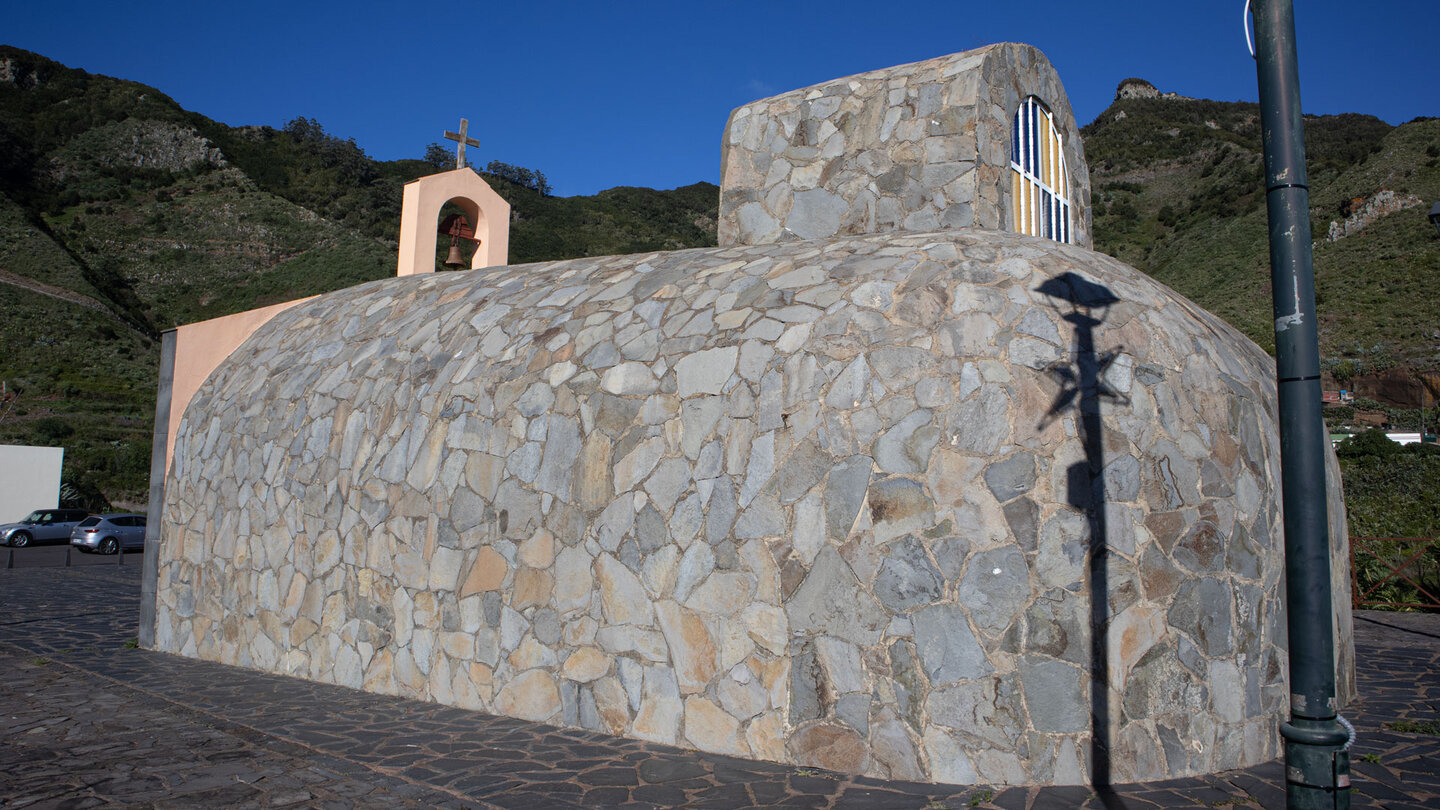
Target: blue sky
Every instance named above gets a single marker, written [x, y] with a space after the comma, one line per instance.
[637, 93]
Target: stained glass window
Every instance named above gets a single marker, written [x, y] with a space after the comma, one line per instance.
[1040, 187]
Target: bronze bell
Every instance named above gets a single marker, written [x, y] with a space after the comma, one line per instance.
[455, 259]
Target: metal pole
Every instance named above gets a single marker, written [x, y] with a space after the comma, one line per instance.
[1317, 765]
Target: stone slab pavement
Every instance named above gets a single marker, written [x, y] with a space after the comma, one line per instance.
[87, 720]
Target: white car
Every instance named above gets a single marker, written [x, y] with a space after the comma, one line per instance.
[42, 526]
[108, 534]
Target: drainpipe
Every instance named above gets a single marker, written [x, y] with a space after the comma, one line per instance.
[1317, 762]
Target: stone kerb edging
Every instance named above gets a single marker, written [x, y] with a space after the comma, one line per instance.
[919, 147]
[805, 502]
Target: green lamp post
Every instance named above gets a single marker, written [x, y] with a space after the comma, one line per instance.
[1317, 759]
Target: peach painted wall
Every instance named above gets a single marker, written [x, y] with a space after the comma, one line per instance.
[199, 348]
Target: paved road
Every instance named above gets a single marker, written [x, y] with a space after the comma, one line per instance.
[88, 721]
[62, 557]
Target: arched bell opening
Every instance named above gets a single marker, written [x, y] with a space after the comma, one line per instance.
[461, 236]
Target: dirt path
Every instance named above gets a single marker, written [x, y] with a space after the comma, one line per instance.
[16, 280]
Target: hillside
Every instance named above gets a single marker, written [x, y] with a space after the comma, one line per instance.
[1178, 193]
[122, 214]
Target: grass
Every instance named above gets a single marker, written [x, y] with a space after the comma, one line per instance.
[1427, 727]
[29, 251]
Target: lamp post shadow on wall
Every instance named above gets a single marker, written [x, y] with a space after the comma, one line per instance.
[1082, 387]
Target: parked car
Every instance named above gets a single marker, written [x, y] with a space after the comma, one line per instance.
[42, 526]
[109, 533]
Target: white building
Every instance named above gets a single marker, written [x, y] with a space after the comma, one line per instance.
[29, 480]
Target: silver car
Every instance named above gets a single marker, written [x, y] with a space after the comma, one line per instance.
[42, 526]
[107, 534]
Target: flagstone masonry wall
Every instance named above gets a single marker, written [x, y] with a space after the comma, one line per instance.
[800, 502]
[918, 147]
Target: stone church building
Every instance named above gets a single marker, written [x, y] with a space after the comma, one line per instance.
[901, 479]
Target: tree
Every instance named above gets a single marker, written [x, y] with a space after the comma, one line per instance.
[529, 178]
[438, 156]
[304, 129]
[1370, 443]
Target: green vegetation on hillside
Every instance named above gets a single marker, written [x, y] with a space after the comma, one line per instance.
[122, 214]
[619, 220]
[82, 380]
[1178, 193]
[1390, 491]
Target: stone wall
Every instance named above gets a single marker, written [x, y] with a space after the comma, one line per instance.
[827, 503]
[918, 147]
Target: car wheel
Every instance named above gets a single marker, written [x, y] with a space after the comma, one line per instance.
[109, 546]
[20, 539]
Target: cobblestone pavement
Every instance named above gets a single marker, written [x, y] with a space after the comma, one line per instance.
[87, 721]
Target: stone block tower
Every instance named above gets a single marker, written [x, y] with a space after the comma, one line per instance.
[921, 147]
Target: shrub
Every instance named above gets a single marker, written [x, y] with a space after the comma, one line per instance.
[53, 428]
[1370, 443]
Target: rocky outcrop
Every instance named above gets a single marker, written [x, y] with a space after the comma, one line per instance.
[1395, 387]
[1360, 212]
[1135, 88]
[1139, 88]
[12, 72]
[143, 144]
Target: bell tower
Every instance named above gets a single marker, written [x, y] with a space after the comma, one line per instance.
[486, 212]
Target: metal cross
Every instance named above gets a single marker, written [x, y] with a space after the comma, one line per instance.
[461, 140]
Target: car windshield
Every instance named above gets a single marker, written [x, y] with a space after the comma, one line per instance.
[33, 517]
[90, 521]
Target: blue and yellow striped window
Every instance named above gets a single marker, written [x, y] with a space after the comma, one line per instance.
[1040, 187]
